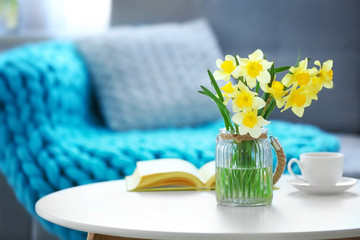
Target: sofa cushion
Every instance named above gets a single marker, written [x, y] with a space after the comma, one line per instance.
[148, 76]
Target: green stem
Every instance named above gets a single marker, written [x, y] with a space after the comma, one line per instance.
[268, 102]
[270, 109]
[257, 87]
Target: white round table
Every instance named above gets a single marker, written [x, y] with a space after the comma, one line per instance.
[108, 209]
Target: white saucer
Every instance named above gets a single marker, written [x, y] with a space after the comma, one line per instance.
[343, 184]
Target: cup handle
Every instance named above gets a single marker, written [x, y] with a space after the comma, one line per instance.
[294, 160]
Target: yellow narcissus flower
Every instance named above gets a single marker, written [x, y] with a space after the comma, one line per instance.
[246, 99]
[313, 87]
[325, 74]
[228, 68]
[255, 68]
[250, 122]
[298, 100]
[229, 91]
[300, 76]
[277, 91]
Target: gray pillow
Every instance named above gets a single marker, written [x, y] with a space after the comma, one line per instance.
[148, 76]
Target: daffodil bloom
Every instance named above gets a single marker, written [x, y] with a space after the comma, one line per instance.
[325, 74]
[228, 91]
[297, 99]
[255, 68]
[277, 91]
[300, 76]
[250, 122]
[313, 87]
[246, 99]
[227, 68]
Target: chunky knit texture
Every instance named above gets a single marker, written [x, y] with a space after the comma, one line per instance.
[51, 137]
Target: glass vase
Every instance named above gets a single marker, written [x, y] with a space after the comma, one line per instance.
[244, 170]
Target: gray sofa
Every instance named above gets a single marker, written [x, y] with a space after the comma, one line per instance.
[323, 29]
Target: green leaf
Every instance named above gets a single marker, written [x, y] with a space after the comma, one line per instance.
[272, 73]
[222, 112]
[215, 85]
[257, 87]
[298, 59]
[222, 108]
[281, 69]
[236, 60]
[213, 97]
[236, 127]
[241, 78]
[266, 96]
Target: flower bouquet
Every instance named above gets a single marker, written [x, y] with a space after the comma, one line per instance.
[244, 165]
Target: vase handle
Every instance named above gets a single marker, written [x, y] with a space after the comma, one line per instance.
[281, 159]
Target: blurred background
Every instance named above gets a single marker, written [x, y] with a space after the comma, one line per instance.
[322, 29]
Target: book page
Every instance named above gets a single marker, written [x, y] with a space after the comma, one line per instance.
[166, 165]
[207, 171]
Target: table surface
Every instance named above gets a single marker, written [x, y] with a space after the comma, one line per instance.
[107, 208]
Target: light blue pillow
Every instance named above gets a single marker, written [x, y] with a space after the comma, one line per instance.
[149, 76]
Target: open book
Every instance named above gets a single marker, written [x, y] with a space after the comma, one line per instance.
[171, 174]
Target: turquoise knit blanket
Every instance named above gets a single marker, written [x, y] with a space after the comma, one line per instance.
[51, 137]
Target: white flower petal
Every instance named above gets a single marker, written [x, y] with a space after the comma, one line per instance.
[259, 102]
[262, 122]
[264, 77]
[292, 69]
[257, 55]
[219, 62]
[307, 102]
[313, 71]
[288, 79]
[299, 111]
[238, 118]
[328, 84]
[264, 87]
[303, 64]
[243, 62]
[220, 75]
[255, 132]
[266, 64]
[327, 65]
[251, 82]
[243, 129]
[230, 58]
[235, 107]
[242, 87]
[280, 102]
[237, 72]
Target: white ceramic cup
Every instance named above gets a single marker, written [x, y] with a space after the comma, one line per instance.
[319, 168]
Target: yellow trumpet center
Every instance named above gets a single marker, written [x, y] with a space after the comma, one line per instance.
[302, 78]
[250, 119]
[330, 73]
[299, 99]
[244, 100]
[278, 87]
[228, 88]
[254, 68]
[228, 66]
